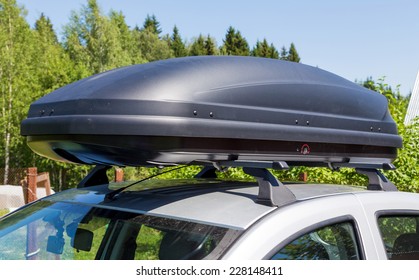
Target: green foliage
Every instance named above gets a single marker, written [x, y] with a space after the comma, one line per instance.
[203, 46]
[151, 47]
[33, 63]
[177, 45]
[198, 46]
[210, 46]
[263, 49]
[57, 67]
[406, 175]
[130, 54]
[17, 80]
[234, 44]
[93, 40]
[151, 24]
[293, 54]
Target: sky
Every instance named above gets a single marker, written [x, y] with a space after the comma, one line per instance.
[355, 39]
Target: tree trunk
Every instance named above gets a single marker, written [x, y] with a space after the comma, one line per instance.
[8, 103]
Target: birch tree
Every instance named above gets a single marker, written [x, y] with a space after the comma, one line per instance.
[15, 77]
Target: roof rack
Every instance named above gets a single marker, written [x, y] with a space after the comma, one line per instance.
[271, 191]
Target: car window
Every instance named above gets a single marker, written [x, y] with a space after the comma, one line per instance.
[333, 242]
[66, 231]
[400, 235]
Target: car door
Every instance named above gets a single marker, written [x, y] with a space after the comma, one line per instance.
[394, 222]
[316, 228]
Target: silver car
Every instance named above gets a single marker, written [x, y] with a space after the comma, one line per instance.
[206, 218]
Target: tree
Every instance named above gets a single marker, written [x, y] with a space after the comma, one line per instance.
[176, 44]
[130, 52]
[284, 53]
[151, 46]
[234, 43]
[203, 46]
[263, 49]
[407, 173]
[198, 46]
[16, 79]
[293, 54]
[45, 30]
[92, 40]
[152, 25]
[54, 67]
[210, 46]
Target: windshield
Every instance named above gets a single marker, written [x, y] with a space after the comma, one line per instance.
[61, 230]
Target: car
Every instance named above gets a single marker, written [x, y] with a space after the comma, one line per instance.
[255, 114]
[207, 218]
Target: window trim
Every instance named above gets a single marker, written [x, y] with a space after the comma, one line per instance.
[313, 227]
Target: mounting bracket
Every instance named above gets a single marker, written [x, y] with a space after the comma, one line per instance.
[376, 180]
[97, 176]
[208, 172]
[271, 191]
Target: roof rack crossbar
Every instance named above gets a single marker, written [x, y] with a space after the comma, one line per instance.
[277, 165]
[97, 176]
[363, 165]
[220, 165]
[376, 180]
[271, 191]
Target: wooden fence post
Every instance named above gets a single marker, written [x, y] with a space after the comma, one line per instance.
[31, 176]
[119, 175]
[43, 181]
[303, 176]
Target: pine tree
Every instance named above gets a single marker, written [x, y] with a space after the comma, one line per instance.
[273, 52]
[176, 44]
[235, 43]
[152, 25]
[263, 49]
[210, 46]
[293, 54]
[284, 53]
[198, 46]
[45, 30]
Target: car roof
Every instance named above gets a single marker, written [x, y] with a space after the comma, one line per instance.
[222, 203]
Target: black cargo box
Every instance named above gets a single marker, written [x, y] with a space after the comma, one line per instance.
[206, 109]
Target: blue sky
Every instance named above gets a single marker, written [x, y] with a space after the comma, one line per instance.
[354, 39]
